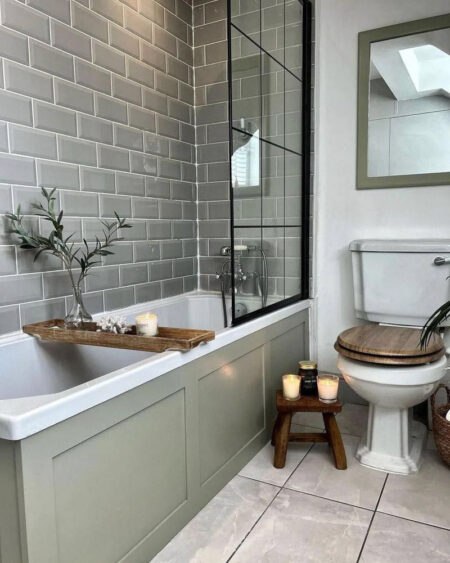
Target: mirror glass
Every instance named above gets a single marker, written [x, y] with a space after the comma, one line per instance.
[409, 105]
[404, 105]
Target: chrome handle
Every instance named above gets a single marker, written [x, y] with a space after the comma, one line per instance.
[441, 261]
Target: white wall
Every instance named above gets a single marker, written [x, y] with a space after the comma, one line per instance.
[342, 212]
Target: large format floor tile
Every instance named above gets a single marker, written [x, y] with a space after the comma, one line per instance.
[312, 419]
[261, 466]
[423, 496]
[351, 420]
[220, 527]
[394, 540]
[298, 527]
[356, 485]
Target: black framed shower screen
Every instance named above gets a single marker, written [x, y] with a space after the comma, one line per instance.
[269, 63]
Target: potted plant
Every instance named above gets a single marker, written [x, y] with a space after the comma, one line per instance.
[433, 323]
[78, 259]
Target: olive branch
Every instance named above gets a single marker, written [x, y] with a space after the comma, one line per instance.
[57, 244]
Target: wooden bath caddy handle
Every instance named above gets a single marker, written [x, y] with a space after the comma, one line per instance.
[168, 338]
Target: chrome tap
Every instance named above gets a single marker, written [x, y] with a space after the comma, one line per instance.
[239, 275]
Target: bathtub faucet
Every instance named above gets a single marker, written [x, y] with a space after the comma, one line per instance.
[239, 275]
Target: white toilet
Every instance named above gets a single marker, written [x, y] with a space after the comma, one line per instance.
[397, 283]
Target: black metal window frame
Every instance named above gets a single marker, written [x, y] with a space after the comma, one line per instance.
[306, 161]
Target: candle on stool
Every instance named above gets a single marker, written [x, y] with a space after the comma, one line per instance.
[147, 324]
[327, 386]
[291, 386]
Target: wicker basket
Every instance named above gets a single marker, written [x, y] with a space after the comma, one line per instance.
[441, 426]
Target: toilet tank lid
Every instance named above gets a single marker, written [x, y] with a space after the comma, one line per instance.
[400, 245]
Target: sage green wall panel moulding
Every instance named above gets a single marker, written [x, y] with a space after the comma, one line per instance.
[118, 481]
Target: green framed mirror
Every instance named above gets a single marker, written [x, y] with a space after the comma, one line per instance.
[404, 105]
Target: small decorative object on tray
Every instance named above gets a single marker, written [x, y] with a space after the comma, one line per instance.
[168, 338]
[147, 324]
[116, 325]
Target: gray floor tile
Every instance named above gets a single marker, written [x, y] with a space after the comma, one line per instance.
[352, 420]
[423, 496]
[216, 531]
[393, 540]
[261, 466]
[299, 527]
[356, 485]
[312, 419]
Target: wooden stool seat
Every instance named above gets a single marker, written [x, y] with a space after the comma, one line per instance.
[282, 434]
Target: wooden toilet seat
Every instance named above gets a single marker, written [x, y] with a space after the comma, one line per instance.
[388, 345]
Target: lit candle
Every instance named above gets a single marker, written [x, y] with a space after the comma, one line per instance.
[291, 386]
[327, 386]
[147, 324]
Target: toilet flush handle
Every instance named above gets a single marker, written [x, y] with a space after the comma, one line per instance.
[441, 261]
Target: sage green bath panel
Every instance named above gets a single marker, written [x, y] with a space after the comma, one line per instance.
[238, 388]
[118, 481]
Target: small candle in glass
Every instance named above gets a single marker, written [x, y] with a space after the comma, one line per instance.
[147, 324]
[327, 386]
[291, 386]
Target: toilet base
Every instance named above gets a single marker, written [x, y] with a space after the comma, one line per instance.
[393, 442]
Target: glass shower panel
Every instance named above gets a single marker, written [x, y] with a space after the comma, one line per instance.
[272, 28]
[270, 196]
[293, 112]
[250, 291]
[246, 16]
[246, 178]
[293, 37]
[293, 270]
[246, 85]
[272, 91]
[293, 189]
[274, 248]
[272, 175]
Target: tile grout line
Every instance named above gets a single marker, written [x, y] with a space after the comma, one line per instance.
[330, 499]
[371, 520]
[414, 521]
[267, 507]
[252, 528]
[287, 478]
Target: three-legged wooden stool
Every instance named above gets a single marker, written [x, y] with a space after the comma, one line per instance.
[282, 434]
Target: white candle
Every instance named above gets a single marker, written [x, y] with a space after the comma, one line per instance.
[327, 386]
[147, 324]
[291, 386]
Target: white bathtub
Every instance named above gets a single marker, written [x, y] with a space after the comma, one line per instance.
[42, 384]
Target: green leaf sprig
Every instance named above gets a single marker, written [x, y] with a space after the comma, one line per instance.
[57, 244]
[433, 323]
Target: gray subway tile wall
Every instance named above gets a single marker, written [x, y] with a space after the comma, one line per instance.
[211, 113]
[82, 93]
[121, 105]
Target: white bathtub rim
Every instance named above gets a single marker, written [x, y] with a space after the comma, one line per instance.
[22, 417]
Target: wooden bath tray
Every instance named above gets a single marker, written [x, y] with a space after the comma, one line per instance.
[180, 339]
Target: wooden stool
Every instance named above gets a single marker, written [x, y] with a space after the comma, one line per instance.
[282, 434]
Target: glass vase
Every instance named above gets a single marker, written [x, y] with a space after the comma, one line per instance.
[78, 314]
